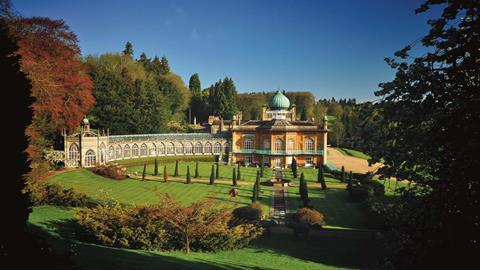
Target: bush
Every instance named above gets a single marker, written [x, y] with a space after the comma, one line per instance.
[112, 170]
[378, 189]
[314, 218]
[54, 194]
[164, 227]
[253, 212]
[360, 193]
[130, 227]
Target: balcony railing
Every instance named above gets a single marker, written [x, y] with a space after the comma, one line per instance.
[278, 152]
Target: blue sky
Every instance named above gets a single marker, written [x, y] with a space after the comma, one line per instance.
[332, 48]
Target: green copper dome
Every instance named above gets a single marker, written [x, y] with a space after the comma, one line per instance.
[279, 102]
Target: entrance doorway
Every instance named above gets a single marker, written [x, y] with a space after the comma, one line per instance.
[278, 162]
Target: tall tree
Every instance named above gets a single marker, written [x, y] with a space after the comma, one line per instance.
[15, 203]
[294, 167]
[212, 176]
[428, 133]
[321, 177]
[164, 66]
[60, 83]
[175, 173]
[155, 171]
[196, 170]
[165, 174]
[128, 49]
[189, 178]
[234, 177]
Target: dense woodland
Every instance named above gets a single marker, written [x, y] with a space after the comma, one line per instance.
[425, 129]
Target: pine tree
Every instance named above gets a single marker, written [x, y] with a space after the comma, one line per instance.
[165, 174]
[294, 167]
[155, 171]
[212, 176]
[175, 174]
[238, 172]
[343, 175]
[196, 170]
[300, 186]
[144, 173]
[189, 179]
[321, 177]
[164, 66]
[128, 49]
[217, 172]
[234, 177]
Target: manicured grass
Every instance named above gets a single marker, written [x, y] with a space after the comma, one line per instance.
[204, 170]
[353, 153]
[130, 191]
[332, 202]
[323, 250]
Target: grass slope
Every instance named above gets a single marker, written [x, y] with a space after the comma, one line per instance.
[353, 153]
[326, 250]
[137, 192]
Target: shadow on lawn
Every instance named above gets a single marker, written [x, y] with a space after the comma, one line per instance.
[92, 256]
[331, 247]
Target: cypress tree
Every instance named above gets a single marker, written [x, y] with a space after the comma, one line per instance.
[262, 167]
[343, 175]
[257, 183]
[305, 199]
[255, 193]
[301, 185]
[196, 170]
[189, 179]
[128, 49]
[165, 174]
[144, 171]
[294, 167]
[321, 177]
[350, 181]
[175, 174]
[234, 177]
[238, 172]
[212, 176]
[217, 172]
[155, 172]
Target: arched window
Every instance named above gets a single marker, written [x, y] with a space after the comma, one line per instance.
[309, 145]
[170, 148]
[161, 149]
[111, 152]
[290, 144]
[179, 148]
[266, 144]
[153, 150]
[90, 158]
[226, 148]
[103, 153]
[198, 148]
[248, 144]
[208, 148]
[73, 152]
[126, 151]
[217, 148]
[143, 150]
[135, 150]
[188, 148]
[278, 146]
[118, 152]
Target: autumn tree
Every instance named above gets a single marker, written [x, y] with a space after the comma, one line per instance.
[60, 83]
[193, 221]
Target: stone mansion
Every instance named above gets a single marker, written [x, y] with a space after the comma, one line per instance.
[274, 139]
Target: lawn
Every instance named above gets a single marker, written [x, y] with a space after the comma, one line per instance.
[353, 153]
[332, 202]
[204, 169]
[323, 250]
[131, 191]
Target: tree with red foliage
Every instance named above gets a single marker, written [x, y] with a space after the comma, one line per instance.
[193, 221]
[60, 82]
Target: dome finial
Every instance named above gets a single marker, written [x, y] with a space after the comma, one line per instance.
[279, 102]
